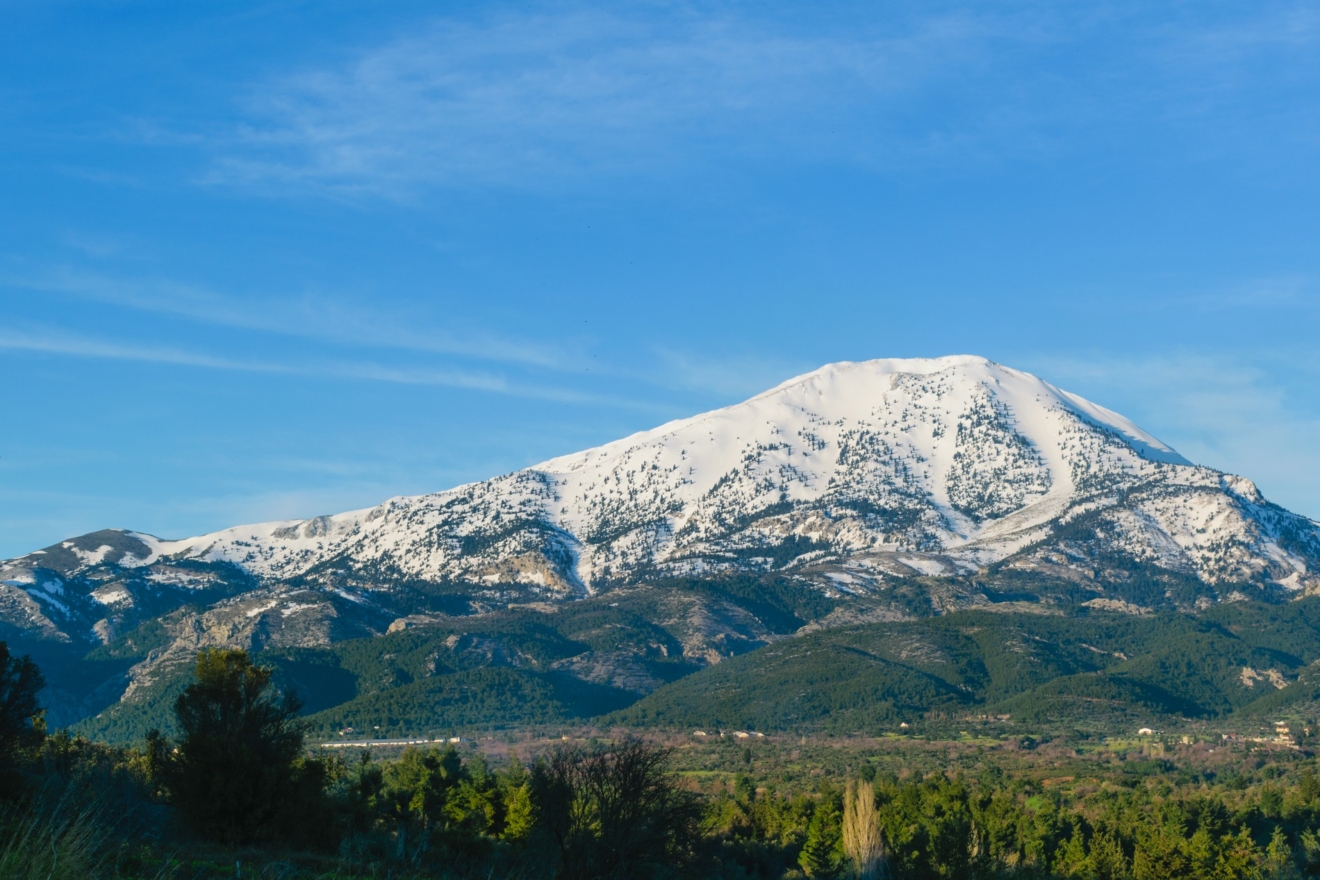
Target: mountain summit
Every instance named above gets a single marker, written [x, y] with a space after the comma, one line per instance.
[854, 477]
[883, 490]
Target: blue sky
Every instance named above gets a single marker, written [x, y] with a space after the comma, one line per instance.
[273, 260]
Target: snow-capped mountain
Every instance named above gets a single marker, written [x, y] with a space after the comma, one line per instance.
[852, 477]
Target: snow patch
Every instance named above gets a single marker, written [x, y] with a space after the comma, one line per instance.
[351, 597]
[49, 600]
[923, 565]
[294, 607]
[260, 609]
[937, 465]
[111, 597]
[89, 557]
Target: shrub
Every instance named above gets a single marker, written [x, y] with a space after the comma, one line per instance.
[615, 812]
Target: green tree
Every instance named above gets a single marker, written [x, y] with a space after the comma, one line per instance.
[1106, 860]
[1160, 855]
[418, 785]
[20, 713]
[1279, 863]
[519, 813]
[473, 807]
[822, 855]
[1071, 858]
[238, 773]
[1309, 790]
[1201, 853]
[515, 785]
[361, 784]
[1308, 851]
[1239, 859]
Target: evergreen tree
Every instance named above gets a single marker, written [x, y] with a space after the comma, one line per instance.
[1309, 790]
[1159, 856]
[238, 773]
[519, 813]
[822, 855]
[363, 783]
[418, 784]
[1279, 864]
[1106, 860]
[20, 713]
[1239, 859]
[1071, 858]
[1201, 853]
[1309, 853]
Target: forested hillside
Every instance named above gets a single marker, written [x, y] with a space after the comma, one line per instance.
[605, 662]
[1098, 670]
[859, 493]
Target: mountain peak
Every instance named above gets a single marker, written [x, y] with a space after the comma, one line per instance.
[853, 477]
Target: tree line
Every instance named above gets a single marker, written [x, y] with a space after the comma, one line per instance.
[238, 778]
[236, 790]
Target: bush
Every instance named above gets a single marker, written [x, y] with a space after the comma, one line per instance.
[615, 812]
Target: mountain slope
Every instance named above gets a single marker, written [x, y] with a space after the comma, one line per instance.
[903, 467]
[585, 657]
[891, 488]
[1096, 669]
[865, 471]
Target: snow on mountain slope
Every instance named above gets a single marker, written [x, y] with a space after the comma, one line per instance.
[849, 475]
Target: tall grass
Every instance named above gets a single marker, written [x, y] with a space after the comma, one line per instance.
[76, 822]
[44, 844]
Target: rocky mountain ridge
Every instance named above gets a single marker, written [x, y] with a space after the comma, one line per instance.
[898, 487]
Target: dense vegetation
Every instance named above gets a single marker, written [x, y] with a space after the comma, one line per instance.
[985, 743]
[476, 671]
[235, 791]
[1225, 664]
[1098, 670]
[238, 784]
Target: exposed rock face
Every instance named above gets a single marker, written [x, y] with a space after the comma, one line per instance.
[962, 477]
[850, 475]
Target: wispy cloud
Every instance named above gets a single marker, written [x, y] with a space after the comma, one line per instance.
[1249, 73]
[95, 245]
[530, 99]
[329, 319]
[63, 344]
[56, 342]
[351, 327]
[1286, 291]
[538, 98]
[1218, 51]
